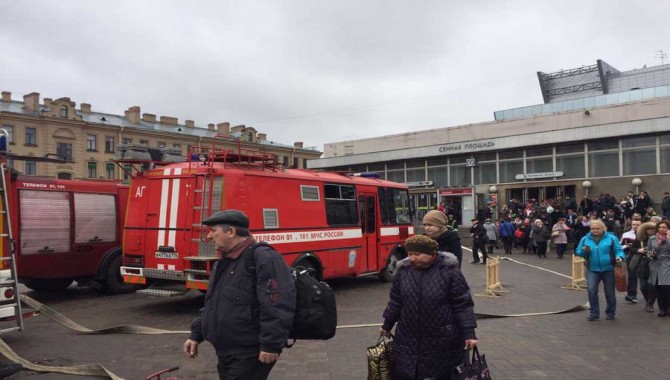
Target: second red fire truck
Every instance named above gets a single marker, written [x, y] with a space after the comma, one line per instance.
[335, 224]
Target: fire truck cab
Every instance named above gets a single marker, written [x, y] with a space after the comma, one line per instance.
[332, 223]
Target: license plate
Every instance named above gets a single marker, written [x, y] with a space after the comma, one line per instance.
[167, 255]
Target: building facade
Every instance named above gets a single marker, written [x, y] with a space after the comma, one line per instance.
[87, 140]
[599, 131]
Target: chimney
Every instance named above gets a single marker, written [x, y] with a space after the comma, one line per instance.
[189, 124]
[47, 102]
[85, 107]
[262, 136]
[211, 127]
[31, 102]
[298, 144]
[169, 120]
[223, 128]
[237, 128]
[149, 117]
[6, 96]
[133, 114]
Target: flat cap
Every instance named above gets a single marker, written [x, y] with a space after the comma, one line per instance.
[233, 218]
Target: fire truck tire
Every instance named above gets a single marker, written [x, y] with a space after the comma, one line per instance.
[113, 282]
[391, 268]
[48, 284]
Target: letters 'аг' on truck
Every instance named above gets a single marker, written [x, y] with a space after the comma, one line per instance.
[335, 224]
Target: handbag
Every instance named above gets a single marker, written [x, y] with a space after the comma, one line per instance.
[620, 281]
[555, 233]
[381, 364]
[473, 368]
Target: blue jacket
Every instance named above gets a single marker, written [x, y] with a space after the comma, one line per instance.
[599, 257]
[506, 229]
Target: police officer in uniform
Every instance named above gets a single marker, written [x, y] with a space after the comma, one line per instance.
[248, 309]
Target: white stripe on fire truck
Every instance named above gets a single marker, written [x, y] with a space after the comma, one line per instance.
[410, 230]
[165, 187]
[174, 206]
[389, 231]
[305, 236]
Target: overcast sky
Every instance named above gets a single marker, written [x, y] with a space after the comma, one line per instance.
[317, 71]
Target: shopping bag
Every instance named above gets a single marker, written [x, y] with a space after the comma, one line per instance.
[620, 281]
[381, 365]
[473, 368]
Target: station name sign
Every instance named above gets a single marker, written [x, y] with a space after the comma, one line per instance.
[470, 146]
[539, 175]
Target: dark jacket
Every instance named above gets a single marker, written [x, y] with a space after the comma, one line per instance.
[434, 313]
[247, 310]
[506, 229]
[449, 241]
[478, 233]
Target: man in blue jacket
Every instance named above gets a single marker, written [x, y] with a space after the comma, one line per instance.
[602, 251]
[507, 235]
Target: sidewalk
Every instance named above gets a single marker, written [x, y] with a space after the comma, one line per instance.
[564, 346]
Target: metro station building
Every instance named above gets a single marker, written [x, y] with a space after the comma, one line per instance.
[599, 131]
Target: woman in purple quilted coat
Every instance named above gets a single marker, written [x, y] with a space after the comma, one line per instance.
[431, 303]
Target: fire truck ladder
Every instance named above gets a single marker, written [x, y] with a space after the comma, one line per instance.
[6, 242]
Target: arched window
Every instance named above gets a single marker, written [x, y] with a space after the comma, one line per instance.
[63, 111]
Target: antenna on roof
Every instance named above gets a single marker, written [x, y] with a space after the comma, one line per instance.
[661, 55]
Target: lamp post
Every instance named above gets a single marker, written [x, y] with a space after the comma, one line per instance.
[493, 190]
[586, 185]
[637, 182]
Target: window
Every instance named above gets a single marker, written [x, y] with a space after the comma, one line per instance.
[285, 160]
[395, 176]
[438, 175]
[31, 136]
[126, 141]
[485, 173]
[10, 133]
[295, 162]
[340, 205]
[178, 146]
[603, 164]
[31, 168]
[161, 144]
[415, 175]
[398, 206]
[64, 175]
[145, 142]
[304, 163]
[91, 142]
[109, 144]
[639, 161]
[64, 151]
[509, 170]
[111, 171]
[63, 111]
[460, 175]
[127, 169]
[92, 170]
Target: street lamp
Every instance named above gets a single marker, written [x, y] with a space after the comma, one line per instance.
[587, 186]
[637, 182]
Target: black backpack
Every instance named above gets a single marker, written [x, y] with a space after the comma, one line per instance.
[315, 309]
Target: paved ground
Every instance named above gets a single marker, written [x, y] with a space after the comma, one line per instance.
[562, 346]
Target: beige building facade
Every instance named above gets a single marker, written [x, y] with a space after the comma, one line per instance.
[88, 140]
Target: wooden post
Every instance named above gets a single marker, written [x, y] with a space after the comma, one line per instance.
[578, 274]
[493, 285]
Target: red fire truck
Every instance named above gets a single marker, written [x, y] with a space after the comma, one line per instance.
[66, 230]
[333, 223]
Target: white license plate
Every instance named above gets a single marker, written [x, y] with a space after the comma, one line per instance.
[167, 255]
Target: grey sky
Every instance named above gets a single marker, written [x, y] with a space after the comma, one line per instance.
[317, 71]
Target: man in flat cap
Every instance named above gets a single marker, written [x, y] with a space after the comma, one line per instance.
[250, 302]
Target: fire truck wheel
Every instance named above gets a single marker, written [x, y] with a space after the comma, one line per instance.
[113, 283]
[387, 273]
[48, 284]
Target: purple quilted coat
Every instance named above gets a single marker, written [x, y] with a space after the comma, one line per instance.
[435, 315]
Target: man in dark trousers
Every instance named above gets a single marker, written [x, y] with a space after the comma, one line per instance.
[478, 234]
[250, 302]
